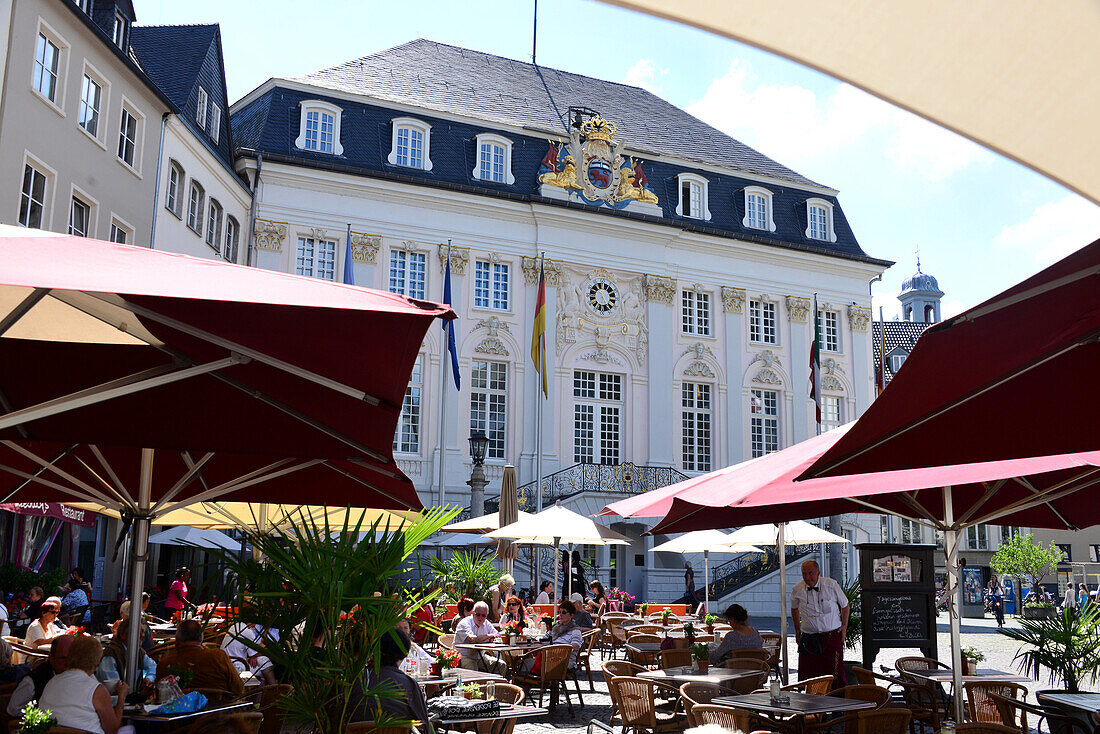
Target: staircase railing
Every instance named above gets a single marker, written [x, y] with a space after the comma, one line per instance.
[626, 478]
[749, 567]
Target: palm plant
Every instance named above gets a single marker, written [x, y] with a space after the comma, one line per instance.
[1067, 644]
[338, 586]
[466, 573]
[855, 615]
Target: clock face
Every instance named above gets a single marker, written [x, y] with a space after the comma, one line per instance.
[602, 297]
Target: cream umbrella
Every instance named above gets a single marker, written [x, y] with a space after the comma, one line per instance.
[480, 525]
[508, 513]
[557, 525]
[797, 532]
[260, 515]
[703, 541]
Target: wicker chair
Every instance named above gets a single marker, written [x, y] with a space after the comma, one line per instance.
[732, 719]
[747, 664]
[584, 655]
[643, 658]
[1012, 709]
[503, 692]
[919, 699]
[616, 633]
[644, 629]
[553, 669]
[749, 683]
[818, 686]
[754, 653]
[693, 694]
[675, 658]
[862, 692]
[981, 708]
[269, 706]
[874, 721]
[617, 669]
[637, 699]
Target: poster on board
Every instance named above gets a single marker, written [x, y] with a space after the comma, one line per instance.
[972, 585]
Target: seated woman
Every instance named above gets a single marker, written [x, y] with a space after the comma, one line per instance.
[45, 628]
[423, 616]
[544, 592]
[465, 607]
[416, 652]
[407, 701]
[740, 637]
[147, 642]
[514, 613]
[244, 657]
[75, 603]
[598, 598]
[80, 701]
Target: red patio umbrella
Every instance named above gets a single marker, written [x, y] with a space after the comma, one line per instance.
[145, 380]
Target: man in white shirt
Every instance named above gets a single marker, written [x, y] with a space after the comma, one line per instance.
[820, 612]
[475, 629]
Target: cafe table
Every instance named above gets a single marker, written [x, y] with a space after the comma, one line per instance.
[642, 648]
[508, 712]
[798, 706]
[1086, 702]
[944, 675]
[716, 675]
[144, 721]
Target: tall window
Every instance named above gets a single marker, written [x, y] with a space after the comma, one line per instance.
[695, 313]
[691, 199]
[597, 417]
[316, 258]
[232, 239]
[696, 421]
[46, 58]
[319, 131]
[91, 94]
[80, 214]
[194, 207]
[410, 147]
[32, 197]
[830, 412]
[215, 128]
[884, 528]
[764, 408]
[407, 270]
[201, 103]
[488, 403]
[758, 209]
[491, 285]
[122, 29]
[977, 537]
[127, 137]
[491, 162]
[172, 198]
[406, 439]
[762, 327]
[818, 217]
[829, 323]
[910, 531]
[1007, 531]
[214, 225]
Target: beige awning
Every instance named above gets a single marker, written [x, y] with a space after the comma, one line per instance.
[1020, 78]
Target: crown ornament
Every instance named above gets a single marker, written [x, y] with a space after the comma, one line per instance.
[597, 128]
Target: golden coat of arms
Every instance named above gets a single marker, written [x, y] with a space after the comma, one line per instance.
[594, 167]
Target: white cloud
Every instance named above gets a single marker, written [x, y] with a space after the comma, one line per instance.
[1053, 230]
[647, 75]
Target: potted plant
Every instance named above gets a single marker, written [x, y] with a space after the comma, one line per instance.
[511, 631]
[1025, 558]
[665, 614]
[643, 608]
[971, 657]
[466, 573]
[1067, 644]
[35, 720]
[445, 659]
[689, 633]
[701, 653]
[708, 623]
[471, 691]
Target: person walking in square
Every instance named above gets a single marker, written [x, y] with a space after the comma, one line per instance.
[820, 612]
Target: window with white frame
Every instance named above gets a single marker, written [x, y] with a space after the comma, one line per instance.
[491, 284]
[194, 206]
[695, 421]
[1007, 531]
[120, 233]
[173, 197]
[121, 31]
[910, 531]
[407, 273]
[829, 324]
[316, 258]
[127, 138]
[406, 439]
[32, 197]
[215, 127]
[762, 322]
[489, 403]
[830, 412]
[411, 144]
[758, 209]
[884, 528]
[91, 97]
[319, 128]
[232, 239]
[693, 201]
[764, 424]
[897, 359]
[695, 313]
[494, 159]
[597, 417]
[80, 217]
[214, 224]
[47, 59]
[819, 220]
[85, 5]
[977, 537]
[202, 101]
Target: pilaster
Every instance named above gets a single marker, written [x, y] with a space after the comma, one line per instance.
[660, 296]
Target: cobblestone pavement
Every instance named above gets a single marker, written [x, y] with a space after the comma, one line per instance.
[980, 633]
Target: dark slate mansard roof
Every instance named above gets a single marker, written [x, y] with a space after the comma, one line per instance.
[902, 334]
[437, 77]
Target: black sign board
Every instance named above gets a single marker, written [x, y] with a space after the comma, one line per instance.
[897, 598]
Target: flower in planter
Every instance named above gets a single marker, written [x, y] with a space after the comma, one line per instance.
[710, 620]
[471, 690]
[447, 659]
[35, 720]
[689, 630]
[973, 653]
[512, 628]
[700, 651]
[665, 614]
[643, 608]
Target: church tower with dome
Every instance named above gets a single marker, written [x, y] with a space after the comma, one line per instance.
[920, 298]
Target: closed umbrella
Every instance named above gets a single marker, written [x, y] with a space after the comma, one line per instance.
[194, 537]
[705, 542]
[507, 550]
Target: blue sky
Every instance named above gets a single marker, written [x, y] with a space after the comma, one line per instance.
[981, 223]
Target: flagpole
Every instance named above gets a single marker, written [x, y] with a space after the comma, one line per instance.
[538, 447]
[443, 401]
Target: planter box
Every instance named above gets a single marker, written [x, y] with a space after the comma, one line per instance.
[1038, 612]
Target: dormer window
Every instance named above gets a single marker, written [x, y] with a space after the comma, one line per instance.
[201, 104]
[122, 30]
[319, 128]
[494, 159]
[758, 209]
[819, 220]
[85, 5]
[693, 202]
[411, 144]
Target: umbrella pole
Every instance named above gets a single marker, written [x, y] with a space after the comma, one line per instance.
[706, 580]
[139, 553]
[951, 548]
[781, 542]
[554, 601]
[569, 576]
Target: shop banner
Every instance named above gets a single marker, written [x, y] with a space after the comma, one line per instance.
[75, 515]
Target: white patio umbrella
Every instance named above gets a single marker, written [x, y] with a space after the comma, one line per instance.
[703, 541]
[479, 525]
[195, 537]
[557, 525]
[797, 532]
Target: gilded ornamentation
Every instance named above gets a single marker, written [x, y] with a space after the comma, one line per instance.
[830, 382]
[623, 326]
[364, 247]
[460, 258]
[492, 345]
[270, 235]
[767, 377]
[319, 233]
[699, 369]
[859, 317]
[798, 308]
[592, 164]
[409, 246]
[551, 270]
[700, 350]
[660, 288]
[733, 299]
[494, 325]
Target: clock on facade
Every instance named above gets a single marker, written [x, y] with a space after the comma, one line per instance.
[602, 297]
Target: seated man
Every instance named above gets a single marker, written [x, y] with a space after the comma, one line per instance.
[32, 685]
[476, 629]
[211, 668]
[582, 617]
[112, 666]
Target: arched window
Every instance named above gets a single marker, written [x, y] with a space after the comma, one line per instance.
[494, 159]
[411, 144]
[694, 197]
[819, 220]
[758, 209]
[319, 128]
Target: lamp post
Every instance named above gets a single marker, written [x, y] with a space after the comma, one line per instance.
[479, 442]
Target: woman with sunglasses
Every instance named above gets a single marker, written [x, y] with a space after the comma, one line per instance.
[45, 628]
[514, 613]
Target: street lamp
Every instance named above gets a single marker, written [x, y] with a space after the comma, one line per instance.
[479, 443]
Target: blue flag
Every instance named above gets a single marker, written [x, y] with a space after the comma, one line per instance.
[349, 271]
[449, 326]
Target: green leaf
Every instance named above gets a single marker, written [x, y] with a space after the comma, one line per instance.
[1067, 644]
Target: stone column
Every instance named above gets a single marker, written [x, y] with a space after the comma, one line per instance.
[733, 426]
[662, 441]
[863, 381]
[803, 421]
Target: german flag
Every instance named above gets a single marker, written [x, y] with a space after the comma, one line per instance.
[538, 333]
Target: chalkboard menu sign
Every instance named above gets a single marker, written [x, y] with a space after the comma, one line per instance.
[897, 600]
